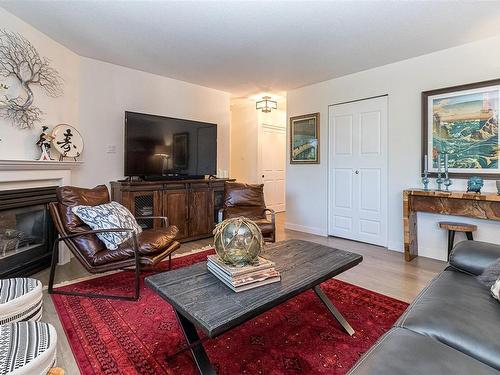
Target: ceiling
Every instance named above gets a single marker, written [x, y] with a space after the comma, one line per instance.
[249, 47]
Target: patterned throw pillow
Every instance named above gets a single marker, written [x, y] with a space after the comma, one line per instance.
[495, 290]
[108, 216]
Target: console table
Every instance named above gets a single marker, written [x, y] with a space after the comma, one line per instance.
[191, 205]
[459, 203]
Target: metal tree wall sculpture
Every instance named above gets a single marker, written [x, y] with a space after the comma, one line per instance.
[20, 59]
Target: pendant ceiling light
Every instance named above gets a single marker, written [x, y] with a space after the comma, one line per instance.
[266, 104]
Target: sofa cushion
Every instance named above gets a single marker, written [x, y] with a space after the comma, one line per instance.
[474, 256]
[460, 312]
[404, 352]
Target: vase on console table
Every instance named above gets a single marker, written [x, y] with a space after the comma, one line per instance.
[474, 184]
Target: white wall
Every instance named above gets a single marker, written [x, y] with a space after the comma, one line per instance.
[246, 123]
[96, 95]
[20, 144]
[107, 91]
[244, 133]
[403, 82]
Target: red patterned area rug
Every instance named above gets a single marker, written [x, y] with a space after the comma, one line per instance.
[297, 337]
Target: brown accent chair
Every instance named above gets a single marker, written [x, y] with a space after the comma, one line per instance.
[247, 200]
[145, 249]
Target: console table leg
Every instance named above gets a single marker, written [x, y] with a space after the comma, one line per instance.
[336, 313]
[197, 350]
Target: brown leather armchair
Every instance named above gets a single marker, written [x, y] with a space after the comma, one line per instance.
[145, 249]
[247, 200]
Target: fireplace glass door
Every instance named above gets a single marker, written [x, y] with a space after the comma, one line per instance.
[23, 229]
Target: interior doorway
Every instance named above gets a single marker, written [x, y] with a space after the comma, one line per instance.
[272, 165]
[358, 170]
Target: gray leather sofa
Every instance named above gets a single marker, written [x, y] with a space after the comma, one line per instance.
[452, 327]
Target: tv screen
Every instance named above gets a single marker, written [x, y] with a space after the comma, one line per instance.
[165, 146]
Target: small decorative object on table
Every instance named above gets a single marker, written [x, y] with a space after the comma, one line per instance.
[44, 143]
[238, 241]
[447, 182]
[425, 178]
[239, 279]
[474, 184]
[67, 141]
[439, 179]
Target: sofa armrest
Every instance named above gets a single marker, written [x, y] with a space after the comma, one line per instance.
[474, 256]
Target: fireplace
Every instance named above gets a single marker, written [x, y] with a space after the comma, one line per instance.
[26, 231]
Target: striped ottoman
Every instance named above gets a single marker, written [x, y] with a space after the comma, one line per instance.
[20, 299]
[27, 348]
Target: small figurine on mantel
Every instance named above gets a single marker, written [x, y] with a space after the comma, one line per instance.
[474, 184]
[44, 143]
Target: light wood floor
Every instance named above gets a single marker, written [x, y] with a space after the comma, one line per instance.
[382, 270]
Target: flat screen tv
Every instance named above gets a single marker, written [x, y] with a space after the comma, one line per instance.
[162, 147]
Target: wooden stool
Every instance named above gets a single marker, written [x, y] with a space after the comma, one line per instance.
[456, 227]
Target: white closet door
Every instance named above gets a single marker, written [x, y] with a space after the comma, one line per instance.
[358, 170]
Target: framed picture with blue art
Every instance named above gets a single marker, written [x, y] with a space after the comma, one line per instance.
[462, 122]
[304, 139]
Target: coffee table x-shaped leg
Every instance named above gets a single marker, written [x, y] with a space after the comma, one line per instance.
[201, 357]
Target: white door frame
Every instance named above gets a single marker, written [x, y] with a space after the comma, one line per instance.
[259, 150]
[329, 169]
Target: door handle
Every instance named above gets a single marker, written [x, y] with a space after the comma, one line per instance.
[357, 172]
[262, 176]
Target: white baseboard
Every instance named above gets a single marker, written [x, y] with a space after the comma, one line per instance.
[395, 246]
[433, 253]
[306, 229]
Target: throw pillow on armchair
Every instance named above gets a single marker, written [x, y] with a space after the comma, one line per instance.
[109, 216]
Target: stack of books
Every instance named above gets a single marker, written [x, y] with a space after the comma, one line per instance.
[243, 278]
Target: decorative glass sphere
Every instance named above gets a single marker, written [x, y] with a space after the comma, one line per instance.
[238, 241]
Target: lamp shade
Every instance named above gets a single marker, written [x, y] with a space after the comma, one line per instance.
[163, 150]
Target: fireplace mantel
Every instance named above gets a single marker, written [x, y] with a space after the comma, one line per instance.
[31, 165]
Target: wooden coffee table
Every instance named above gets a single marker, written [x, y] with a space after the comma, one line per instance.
[201, 300]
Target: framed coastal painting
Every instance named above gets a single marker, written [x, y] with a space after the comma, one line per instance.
[304, 139]
[462, 121]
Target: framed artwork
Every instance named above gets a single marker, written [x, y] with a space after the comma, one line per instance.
[304, 139]
[462, 121]
[180, 150]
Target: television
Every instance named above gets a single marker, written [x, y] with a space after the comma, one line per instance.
[158, 147]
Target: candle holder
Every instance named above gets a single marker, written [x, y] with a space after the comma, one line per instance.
[447, 181]
[425, 181]
[439, 180]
